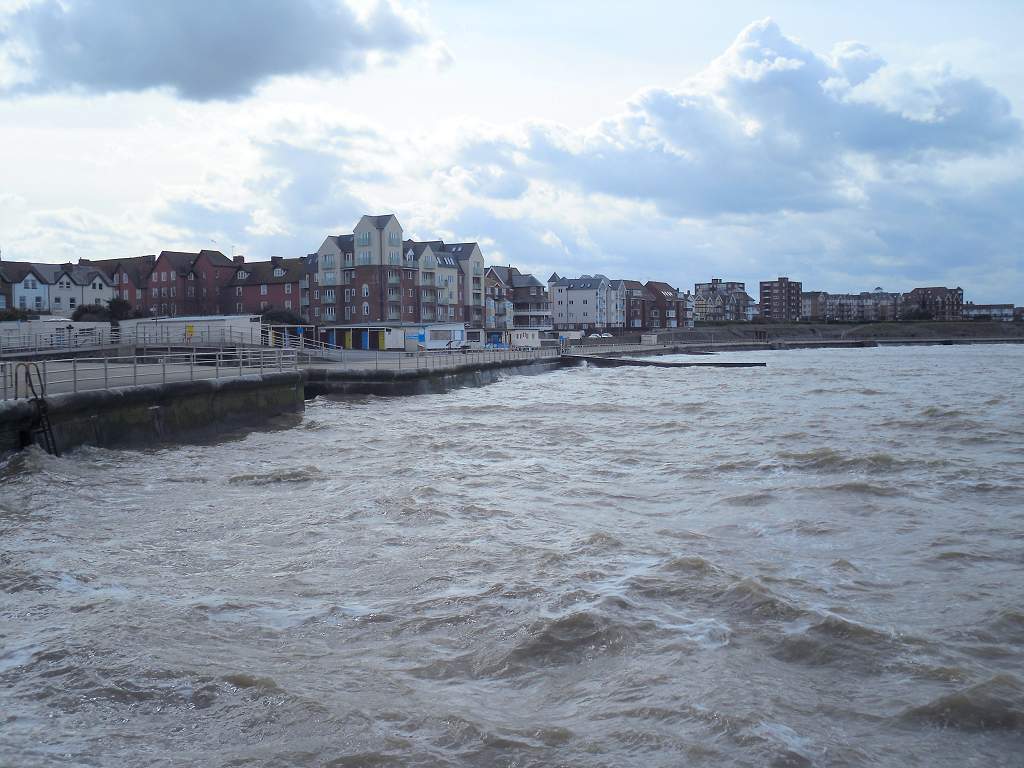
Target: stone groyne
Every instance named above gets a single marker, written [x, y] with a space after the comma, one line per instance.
[335, 381]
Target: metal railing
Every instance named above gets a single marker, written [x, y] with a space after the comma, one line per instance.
[381, 360]
[92, 373]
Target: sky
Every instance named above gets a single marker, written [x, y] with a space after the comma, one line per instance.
[847, 146]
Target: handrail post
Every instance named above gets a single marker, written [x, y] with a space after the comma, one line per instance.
[192, 365]
[106, 373]
[74, 374]
[163, 368]
[135, 370]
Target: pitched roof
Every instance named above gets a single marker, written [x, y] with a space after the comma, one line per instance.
[262, 272]
[341, 242]
[460, 251]
[78, 274]
[380, 222]
[138, 268]
[583, 282]
[16, 271]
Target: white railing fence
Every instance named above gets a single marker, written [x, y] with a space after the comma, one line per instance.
[91, 373]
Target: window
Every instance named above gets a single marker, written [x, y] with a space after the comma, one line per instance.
[242, 274]
[329, 295]
[263, 289]
[287, 303]
[364, 257]
[190, 291]
[366, 293]
[287, 287]
[328, 259]
[56, 300]
[263, 305]
[173, 277]
[172, 291]
[138, 294]
[238, 290]
[584, 301]
[163, 277]
[191, 275]
[366, 309]
[238, 308]
[117, 278]
[329, 277]
[278, 272]
[163, 292]
[394, 257]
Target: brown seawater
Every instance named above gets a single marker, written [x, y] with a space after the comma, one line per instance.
[816, 563]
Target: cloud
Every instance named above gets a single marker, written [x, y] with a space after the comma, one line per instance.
[199, 49]
[839, 169]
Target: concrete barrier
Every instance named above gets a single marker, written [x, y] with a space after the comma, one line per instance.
[178, 411]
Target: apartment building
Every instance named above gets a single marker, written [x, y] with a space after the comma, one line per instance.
[260, 286]
[863, 307]
[1001, 312]
[498, 299]
[636, 302]
[579, 303]
[374, 275]
[531, 307]
[781, 300]
[722, 300]
[938, 303]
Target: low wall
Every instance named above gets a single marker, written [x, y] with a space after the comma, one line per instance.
[186, 410]
[326, 381]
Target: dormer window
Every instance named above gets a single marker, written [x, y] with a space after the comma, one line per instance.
[278, 272]
[242, 275]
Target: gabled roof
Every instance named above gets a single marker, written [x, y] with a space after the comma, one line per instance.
[554, 278]
[502, 273]
[78, 274]
[16, 271]
[379, 222]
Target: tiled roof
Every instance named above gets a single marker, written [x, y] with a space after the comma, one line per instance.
[262, 272]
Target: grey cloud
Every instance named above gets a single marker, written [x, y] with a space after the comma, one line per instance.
[771, 126]
[200, 49]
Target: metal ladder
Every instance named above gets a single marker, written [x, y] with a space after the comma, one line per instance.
[41, 431]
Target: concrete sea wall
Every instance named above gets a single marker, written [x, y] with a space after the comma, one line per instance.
[178, 411]
[326, 381]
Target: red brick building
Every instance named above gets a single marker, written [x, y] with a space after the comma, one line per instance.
[259, 286]
[933, 304]
[781, 300]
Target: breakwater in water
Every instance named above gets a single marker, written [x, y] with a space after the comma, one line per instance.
[815, 563]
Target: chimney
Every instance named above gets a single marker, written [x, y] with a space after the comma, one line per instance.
[275, 260]
[149, 258]
[239, 259]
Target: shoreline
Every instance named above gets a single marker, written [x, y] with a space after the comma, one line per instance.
[187, 411]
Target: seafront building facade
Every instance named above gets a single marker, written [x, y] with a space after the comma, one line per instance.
[780, 300]
[722, 301]
[377, 278]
